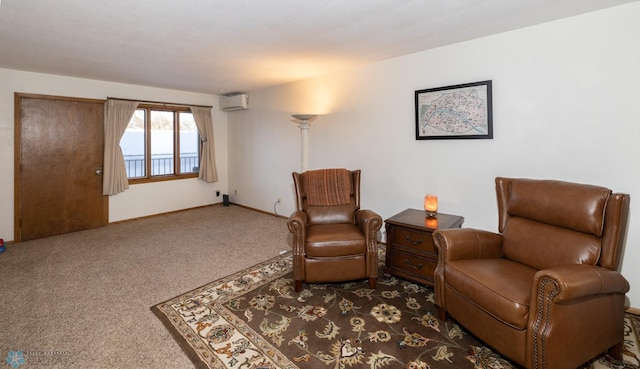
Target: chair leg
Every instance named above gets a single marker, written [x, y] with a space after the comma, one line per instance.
[442, 314]
[298, 286]
[372, 283]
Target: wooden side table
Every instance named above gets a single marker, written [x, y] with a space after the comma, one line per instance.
[411, 254]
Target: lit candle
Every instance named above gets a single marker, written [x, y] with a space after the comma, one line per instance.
[431, 204]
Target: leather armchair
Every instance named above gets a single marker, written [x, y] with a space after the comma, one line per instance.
[545, 291]
[333, 239]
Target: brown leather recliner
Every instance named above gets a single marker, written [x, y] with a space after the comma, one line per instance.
[333, 239]
[545, 291]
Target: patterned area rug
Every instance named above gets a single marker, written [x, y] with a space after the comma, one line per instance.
[253, 319]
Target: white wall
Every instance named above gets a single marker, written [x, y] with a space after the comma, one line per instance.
[565, 97]
[139, 200]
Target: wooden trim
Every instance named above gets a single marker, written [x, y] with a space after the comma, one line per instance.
[17, 112]
[159, 102]
[197, 207]
[170, 177]
[634, 311]
[176, 143]
[59, 98]
[165, 213]
[260, 211]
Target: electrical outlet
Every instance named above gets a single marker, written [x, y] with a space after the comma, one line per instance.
[235, 192]
[278, 200]
[218, 193]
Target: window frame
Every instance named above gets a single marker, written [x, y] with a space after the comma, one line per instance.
[149, 178]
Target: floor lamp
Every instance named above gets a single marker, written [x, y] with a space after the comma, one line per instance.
[304, 122]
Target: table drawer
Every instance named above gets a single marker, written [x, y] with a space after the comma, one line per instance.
[416, 240]
[419, 266]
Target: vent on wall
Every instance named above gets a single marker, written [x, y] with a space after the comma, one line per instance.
[234, 102]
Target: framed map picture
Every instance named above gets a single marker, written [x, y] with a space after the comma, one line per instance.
[452, 112]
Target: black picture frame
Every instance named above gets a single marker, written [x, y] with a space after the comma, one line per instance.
[461, 111]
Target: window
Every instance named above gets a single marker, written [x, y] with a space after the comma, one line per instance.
[161, 143]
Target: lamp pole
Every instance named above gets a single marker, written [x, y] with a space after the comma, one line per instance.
[304, 122]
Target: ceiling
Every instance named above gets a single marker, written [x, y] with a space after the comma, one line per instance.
[223, 46]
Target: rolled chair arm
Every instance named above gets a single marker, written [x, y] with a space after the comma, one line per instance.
[466, 243]
[297, 221]
[369, 223]
[574, 282]
[567, 300]
[461, 243]
[297, 224]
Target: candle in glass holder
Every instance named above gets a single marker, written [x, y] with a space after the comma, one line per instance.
[431, 205]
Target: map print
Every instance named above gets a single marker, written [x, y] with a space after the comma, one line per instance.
[459, 112]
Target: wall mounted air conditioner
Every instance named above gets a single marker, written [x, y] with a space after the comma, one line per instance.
[234, 102]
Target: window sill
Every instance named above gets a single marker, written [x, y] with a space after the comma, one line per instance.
[133, 181]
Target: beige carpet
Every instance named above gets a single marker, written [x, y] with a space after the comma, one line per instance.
[82, 300]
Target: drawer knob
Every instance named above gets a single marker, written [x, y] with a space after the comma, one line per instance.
[419, 266]
[414, 243]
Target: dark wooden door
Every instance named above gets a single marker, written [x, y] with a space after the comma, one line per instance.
[59, 166]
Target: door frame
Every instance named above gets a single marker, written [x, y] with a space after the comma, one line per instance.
[17, 162]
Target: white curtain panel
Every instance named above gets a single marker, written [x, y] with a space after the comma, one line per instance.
[202, 116]
[118, 113]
